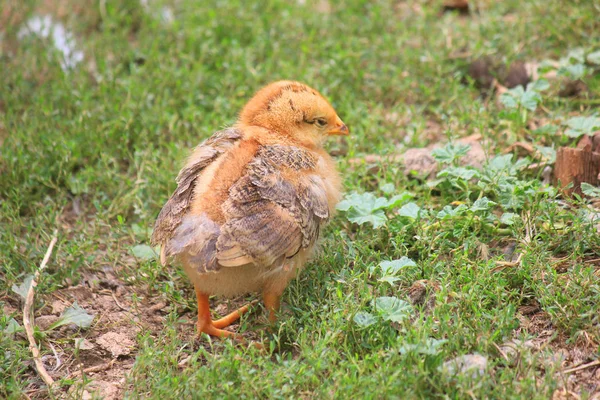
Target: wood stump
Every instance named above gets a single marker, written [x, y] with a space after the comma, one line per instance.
[576, 166]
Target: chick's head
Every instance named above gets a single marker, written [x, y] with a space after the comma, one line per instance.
[294, 110]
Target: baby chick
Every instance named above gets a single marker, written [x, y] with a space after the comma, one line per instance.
[251, 200]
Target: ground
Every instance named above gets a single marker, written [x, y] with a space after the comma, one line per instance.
[480, 281]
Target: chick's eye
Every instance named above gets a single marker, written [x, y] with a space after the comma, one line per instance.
[320, 122]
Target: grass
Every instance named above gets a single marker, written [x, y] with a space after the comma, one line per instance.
[93, 151]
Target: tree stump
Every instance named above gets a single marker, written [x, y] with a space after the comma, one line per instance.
[576, 166]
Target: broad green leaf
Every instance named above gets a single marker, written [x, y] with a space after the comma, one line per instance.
[517, 91]
[547, 130]
[410, 210]
[23, 288]
[387, 188]
[539, 86]
[391, 279]
[574, 71]
[398, 199]
[450, 152]
[144, 252]
[12, 327]
[578, 126]
[482, 204]
[364, 319]
[574, 56]
[547, 153]
[392, 308]
[377, 218]
[508, 100]
[393, 266]
[500, 163]
[459, 172]
[367, 208]
[590, 190]
[74, 315]
[509, 218]
[449, 212]
[141, 232]
[594, 58]
[530, 100]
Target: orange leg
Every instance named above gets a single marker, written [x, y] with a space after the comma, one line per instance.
[232, 317]
[206, 324]
[272, 302]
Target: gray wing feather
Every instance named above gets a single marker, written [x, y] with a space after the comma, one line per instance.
[176, 207]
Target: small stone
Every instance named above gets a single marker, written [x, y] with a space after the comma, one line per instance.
[58, 306]
[117, 343]
[472, 364]
[83, 344]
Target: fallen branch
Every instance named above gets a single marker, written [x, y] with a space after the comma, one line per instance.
[28, 317]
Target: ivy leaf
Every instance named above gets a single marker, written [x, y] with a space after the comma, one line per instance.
[546, 130]
[508, 100]
[451, 152]
[23, 288]
[430, 347]
[392, 267]
[578, 126]
[459, 172]
[391, 279]
[594, 58]
[573, 71]
[387, 188]
[392, 308]
[398, 199]
[500, 163]
[547, 153]
[12, 327]
[449, 212]
[590, 190]
[410, 210]
[364, 319]
[144, 252]
[509, 218]
[530, 100]
[377, 218]
[538, 86]
[74, 315]
[367, 208]
[482, 204]
[574, 56]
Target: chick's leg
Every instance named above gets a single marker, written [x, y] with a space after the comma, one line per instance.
[272, 302]
[232, 317]
[205, 323]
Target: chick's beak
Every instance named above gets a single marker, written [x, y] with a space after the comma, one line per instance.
[339, 129]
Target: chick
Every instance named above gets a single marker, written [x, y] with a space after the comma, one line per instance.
[251, 200]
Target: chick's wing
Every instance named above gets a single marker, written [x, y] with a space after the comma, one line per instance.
[274, 210]
[177, 206]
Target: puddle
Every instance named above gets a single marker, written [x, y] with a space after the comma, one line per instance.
[46, 27]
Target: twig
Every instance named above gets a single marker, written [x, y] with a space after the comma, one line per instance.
[58, 362]
[95, 368]
[117, 302]
[579, 368]
[28, 317]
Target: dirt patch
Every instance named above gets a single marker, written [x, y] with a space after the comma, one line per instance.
[577, 369]
[104, 353]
